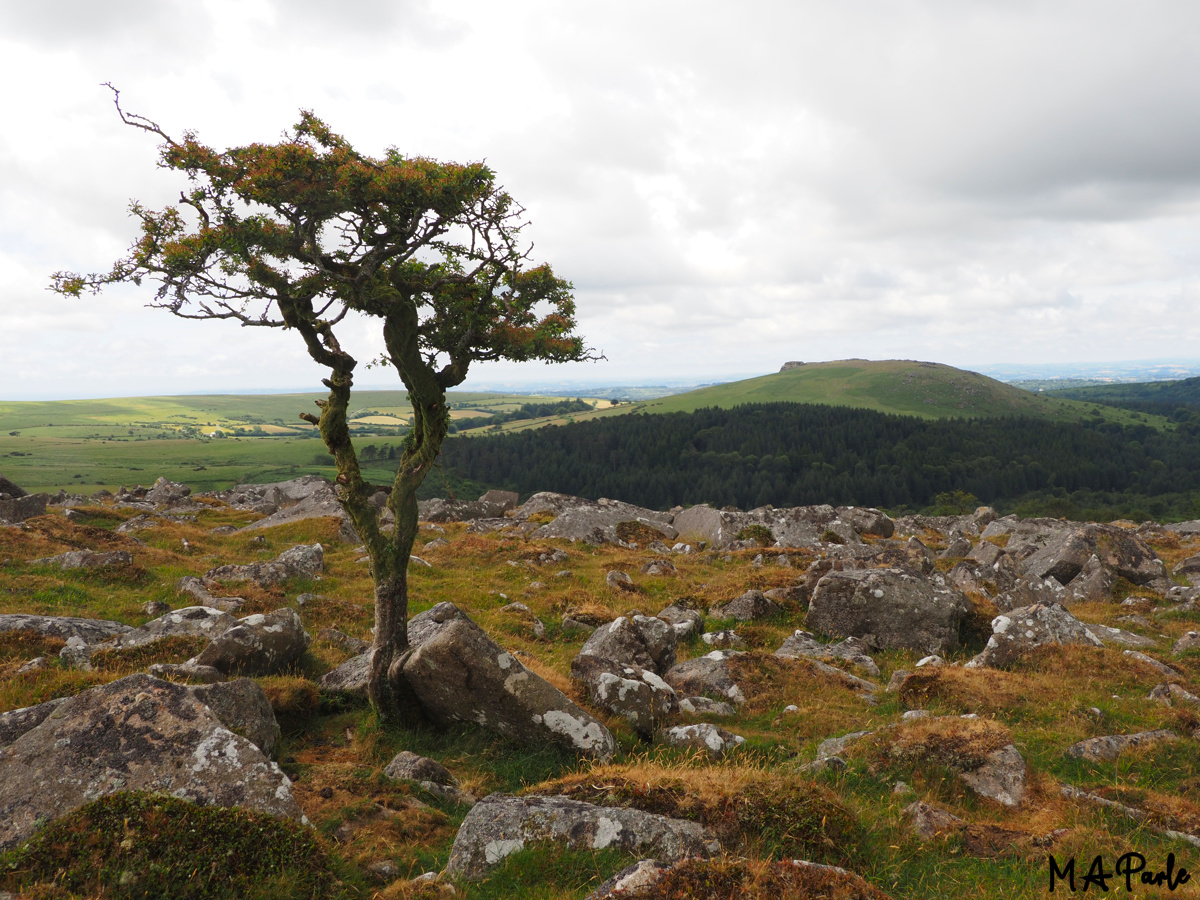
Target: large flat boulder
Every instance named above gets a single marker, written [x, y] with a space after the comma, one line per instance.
[500, 825]
[136, 734]
[889, 608]
[459, 674]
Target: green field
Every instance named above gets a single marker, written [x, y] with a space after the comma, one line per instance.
[209, 441]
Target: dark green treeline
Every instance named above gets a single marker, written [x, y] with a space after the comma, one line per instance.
[790, 454]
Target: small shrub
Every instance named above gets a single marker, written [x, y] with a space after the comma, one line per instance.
[151, 845]
[760, 534]
[743, 879]
[832, 537]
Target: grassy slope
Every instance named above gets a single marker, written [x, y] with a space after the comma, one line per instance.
[336, 754]
[928, 390]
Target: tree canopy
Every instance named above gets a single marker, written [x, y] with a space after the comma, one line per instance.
[302, 233]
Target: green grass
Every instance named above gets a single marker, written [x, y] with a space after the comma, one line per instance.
[928, 390]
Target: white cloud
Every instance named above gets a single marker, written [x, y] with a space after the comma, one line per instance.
[727, 187]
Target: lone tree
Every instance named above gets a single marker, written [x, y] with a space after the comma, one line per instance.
[299, 234]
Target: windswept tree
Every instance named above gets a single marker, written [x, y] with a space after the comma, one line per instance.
[300, 234]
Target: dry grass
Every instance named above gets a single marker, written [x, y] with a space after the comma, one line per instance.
[751, 809]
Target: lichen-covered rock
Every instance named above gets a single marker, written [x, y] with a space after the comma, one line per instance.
[14, 509]
[138, 733]
[242, 707]
[636, 694]
[1108, 748]
[202, 596]
[1190, 641]
[707, 675]
[257, 645]
[86, 559]
[201, 621]
[748, 607]
[1067, 549]
[684, 621]
[460, 675]
[853, 650]
[888, 608]
[350, 678]
[1020, 630]
[88, 631]
[594, 521]
[301, 560]
[500, 825]
[642, 641]
[429, 774]
[1000, 778]
[16, 722]
[708, 738]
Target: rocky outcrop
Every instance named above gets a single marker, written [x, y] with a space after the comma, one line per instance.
[257, 645]
[492, 505]
[636, 694]
[706, 676]
[86, 559]
[592, 521]
[500, 825]
[642, 641]
[460, 675]
[201, 621]
[138, 733]
[888, 608]
[1020, 630]
[1106, 749]
[86, 631]
[852, 650]
[303, 560]
[748, 607]
[705, 737]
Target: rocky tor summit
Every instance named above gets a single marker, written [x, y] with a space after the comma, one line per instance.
[710, 655]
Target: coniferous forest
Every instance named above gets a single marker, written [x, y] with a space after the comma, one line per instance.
[788, 454]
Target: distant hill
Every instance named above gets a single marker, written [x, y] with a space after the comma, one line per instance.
[1163, 397]
[906, 387]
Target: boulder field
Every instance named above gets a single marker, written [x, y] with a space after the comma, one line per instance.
[593, 639]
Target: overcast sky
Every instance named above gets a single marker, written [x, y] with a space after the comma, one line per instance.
[728, 186]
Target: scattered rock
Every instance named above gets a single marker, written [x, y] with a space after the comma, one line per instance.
[705, 737]
[342, 640]
[659, 567]
[1000, 778]
[1120, 638]
[888, 608]
[749, 607]
[303, 560]
[1160, 668]
[683, 620]
[620, 581]
[1190, 641]
[350, 678]
[86, 559]
[431, 775]
[500, 825]
[1106, 749]
[636, 694]
[852, 650]
[706, 676]
[257, 645]
[200, 621]
[18, 508]
[928, 822]
[138, 733]
[492, 505]
[1020, 630]
[88, 631]
[642, 641]
[706, 706]
[724, 640]
[460, 675]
